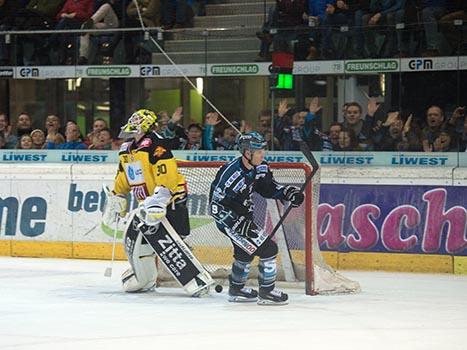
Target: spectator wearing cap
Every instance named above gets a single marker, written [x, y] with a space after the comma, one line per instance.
[194, 138]
[38, 139]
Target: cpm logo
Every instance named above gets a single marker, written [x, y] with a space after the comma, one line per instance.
[149, 71]
[29, 72]
[421, 64]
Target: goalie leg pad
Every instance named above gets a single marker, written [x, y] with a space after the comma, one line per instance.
[143, 273]
[176, 256]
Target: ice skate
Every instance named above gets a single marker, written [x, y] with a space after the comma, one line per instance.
[273, 297]
[242, 295]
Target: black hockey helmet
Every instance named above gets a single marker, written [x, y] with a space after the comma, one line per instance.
[251, 141]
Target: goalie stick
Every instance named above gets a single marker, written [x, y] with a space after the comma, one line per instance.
[108, 270]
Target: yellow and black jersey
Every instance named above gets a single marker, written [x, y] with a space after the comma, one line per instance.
[147, 164]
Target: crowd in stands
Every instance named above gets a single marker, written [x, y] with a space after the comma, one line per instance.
[377, 129]
[324, 29]
[53, 136]
[319, 28]
[30, 15]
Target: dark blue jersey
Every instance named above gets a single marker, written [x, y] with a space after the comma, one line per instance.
[231, 192]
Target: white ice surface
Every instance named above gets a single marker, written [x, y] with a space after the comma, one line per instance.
[69, 304]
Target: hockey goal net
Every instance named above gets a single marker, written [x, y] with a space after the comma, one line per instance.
[299, 259]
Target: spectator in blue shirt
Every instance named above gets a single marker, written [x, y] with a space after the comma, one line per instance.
[73, 141]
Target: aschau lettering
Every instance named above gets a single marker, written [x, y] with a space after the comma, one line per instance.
[235, 69]
[372, 66]
[432, 224]
[108, 71]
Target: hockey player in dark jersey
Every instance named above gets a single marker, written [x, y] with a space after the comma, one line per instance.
[149, 171]
[232, 207]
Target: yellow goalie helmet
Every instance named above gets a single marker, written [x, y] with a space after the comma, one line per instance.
[140, 122]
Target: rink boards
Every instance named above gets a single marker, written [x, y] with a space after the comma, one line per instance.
[53, 210]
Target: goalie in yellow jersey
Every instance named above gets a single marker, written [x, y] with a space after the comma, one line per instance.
[149, 171]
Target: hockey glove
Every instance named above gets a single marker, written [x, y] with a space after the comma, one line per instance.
[248, 228]
[294, 196]
[155, 206]
[117, 204]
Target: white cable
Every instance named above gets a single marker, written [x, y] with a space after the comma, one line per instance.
[179, 69]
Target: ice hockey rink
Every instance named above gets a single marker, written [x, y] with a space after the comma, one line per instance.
[69, 304]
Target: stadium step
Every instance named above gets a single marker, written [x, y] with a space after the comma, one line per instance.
[233, 33]
[249, 20]
[238, 8]
[212, 57]
[238, 20]
[212, 44]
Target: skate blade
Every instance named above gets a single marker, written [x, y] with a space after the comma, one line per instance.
[238, 299]
[270, 302]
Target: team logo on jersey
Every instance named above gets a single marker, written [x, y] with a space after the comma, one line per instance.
[134, 172]
[159, 151]
[145, 143]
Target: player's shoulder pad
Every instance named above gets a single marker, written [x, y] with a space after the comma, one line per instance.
[125, 147]
[160, 147]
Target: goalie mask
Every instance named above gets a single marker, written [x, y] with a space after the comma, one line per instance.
[140, 122]
[251, 141]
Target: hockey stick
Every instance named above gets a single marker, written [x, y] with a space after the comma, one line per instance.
[108, 270]
[314, 168]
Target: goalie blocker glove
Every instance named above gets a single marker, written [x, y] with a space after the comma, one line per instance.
[154, 207]
[294, 196]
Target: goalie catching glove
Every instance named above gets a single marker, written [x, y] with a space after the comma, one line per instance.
[154, 207]
[117, 203]
[294, 196]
